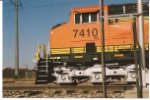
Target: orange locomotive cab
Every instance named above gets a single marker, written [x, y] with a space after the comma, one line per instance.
[79, 39]
[82, 28]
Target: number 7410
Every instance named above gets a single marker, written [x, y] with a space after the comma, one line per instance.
[88, 32]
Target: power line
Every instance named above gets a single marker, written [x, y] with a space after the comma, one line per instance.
[35, 1]
[17, 3]
[40, 6]
[10, 3]
[6, 4]
[51, 5]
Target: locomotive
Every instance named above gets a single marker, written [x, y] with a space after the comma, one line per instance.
[73, 54]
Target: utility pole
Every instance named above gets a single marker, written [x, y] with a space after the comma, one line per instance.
[102, 48]
[135, 55]
[141, 45]
[16, 38]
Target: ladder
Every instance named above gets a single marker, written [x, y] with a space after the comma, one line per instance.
[43, 73]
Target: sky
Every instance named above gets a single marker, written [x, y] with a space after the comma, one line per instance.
[35, 19]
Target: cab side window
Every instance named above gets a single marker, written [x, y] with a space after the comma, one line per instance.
[93, 17]
[77, 18]
[85, 17]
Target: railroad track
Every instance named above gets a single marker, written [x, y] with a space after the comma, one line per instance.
[46, 91]
[72, 88]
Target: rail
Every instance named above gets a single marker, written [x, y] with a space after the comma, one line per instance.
[87, 88]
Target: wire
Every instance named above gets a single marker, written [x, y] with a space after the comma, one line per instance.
[33, 1]
[15, 4]
[10, 3]
[7, 4]
[20, 4]
[51, 5]
[56, 4]
[27, 1]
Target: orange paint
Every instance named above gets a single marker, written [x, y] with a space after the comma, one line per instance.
[119, 33]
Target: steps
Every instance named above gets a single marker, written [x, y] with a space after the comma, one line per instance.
[43, 72]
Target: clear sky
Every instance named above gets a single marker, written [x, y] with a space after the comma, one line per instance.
[36, 18]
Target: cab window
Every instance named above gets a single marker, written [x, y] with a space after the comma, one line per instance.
[89, 17]
[93, 17]
[85, 17]
[77, 18]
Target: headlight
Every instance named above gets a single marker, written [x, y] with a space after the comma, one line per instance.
[63, 77]
[97, 76]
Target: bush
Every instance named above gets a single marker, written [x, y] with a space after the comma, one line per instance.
[16, 77]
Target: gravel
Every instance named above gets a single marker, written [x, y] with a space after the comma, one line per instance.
[49, 93]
